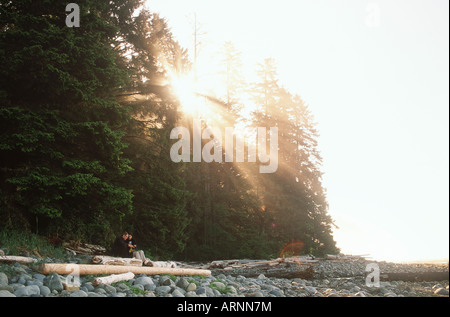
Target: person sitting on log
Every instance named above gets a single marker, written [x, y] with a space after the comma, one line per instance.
[131, 245]
[120, 246]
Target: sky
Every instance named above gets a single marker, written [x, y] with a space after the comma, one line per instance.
[375, 74]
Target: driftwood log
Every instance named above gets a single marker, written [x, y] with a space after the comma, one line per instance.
[167, 264]
[108, 280]
[279, 268]
[18, 259]
[415, 277]
[87, 269]
[109, 260]
[84, 248]
[305, 274]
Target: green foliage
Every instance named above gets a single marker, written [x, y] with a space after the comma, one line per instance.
[133, 289]
[85, 118]
[17, 242]
[61, 141]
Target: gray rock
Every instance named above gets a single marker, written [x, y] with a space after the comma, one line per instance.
[231, 289]
[182, 283]
[441, 291]
[27, 291]
[110, 289]
[144, 280]
[276, 292]
[149, 287]
[3, 279]
[78, 294]
[89, 287]
[218, 285]
[121, 287]
[191, 287]
[100, 291]
[168, 282]
[19, 269]
[16, 286]
[164, 280]
[209, 292]
[39, 277]
[261, 277]
[241, 279]
[177, 293]
[311, 290]
[200, 290]
[162, 290]
[4, 293]
[45, 291]
[140, 286]
[34, 282]
[21, 280]
[221, 277]
[54, 283]
[6, 288]
[255, 294]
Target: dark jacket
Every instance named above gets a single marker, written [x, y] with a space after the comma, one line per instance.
[120, 248]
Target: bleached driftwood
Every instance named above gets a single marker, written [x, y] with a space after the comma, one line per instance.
[343, 258]
[222, 264]
[108, 280]
[168, 264]
[108, 260]
[19, 259]
[415, 276]
[281, 262]
[89, 269]
[84, 248]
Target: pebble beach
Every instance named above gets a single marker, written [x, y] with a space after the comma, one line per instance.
[331, 279]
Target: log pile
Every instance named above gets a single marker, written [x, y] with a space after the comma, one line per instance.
[229, 265]
[84, 248]
[109, 260]
[345, 258]
[295, 267]
[415, 277]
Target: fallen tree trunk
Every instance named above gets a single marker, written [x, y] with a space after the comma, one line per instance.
[84, 248]
[168, 264]
[305, 272]
[415, 277]
[108, 280]
[65, 269]
[109, 260]
[19, 259]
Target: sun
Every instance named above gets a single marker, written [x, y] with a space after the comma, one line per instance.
[187, 91]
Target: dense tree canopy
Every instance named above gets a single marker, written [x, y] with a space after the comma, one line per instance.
[85, 121]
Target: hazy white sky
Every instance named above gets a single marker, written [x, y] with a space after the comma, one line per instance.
[376, 76]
